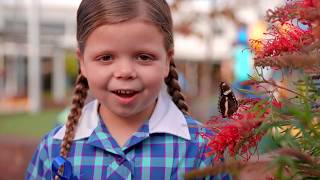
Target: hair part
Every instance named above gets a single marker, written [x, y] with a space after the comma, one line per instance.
[94, 13]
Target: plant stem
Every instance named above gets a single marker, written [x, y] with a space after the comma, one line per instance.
[311, 47]
[284, 88]
[233, 167]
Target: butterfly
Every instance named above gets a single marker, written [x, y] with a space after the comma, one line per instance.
[228, 103]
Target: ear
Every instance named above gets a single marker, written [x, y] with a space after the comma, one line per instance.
[81, 62]
[170, 55]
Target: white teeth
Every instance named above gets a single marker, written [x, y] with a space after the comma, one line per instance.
[124, 91]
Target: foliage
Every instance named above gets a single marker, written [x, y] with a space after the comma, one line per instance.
[288, 109]
[28, 125]
[71, 66]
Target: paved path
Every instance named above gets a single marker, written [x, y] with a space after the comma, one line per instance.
[16, 152]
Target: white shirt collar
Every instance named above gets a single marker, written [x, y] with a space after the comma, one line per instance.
[166, 118]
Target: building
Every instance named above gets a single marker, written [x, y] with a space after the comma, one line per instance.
[36, 36]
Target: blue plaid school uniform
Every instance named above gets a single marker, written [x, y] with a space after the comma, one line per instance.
[167, 146]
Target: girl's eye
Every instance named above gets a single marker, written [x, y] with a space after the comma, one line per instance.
[105, 58]
[145, 57]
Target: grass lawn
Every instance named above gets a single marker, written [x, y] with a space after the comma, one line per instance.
[28, 125]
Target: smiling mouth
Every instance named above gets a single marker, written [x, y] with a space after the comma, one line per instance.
[125, 93]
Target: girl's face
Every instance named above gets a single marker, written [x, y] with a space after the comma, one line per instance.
[125, 65]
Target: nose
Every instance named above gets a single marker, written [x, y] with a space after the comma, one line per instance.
[125, 70]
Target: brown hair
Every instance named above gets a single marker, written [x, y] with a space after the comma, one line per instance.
[94, 13]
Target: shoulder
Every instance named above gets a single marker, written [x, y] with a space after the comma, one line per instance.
[48, 143]
[197, 130]
[48, 146]
[50, 135]
[199, 139]
[40, 165]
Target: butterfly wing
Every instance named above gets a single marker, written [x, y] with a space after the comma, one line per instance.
[223, 106]
[232, 105]
[228, 103]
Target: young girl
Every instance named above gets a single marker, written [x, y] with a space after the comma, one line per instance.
[134, 129]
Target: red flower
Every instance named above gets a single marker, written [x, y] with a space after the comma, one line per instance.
[283, 39]
[309, 3]
[276, 103]
[288, 37]
[237, 134]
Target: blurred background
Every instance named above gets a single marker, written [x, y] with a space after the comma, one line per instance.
[38, 65]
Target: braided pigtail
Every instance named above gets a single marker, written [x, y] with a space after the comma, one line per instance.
[174, 89]
[80, 94]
